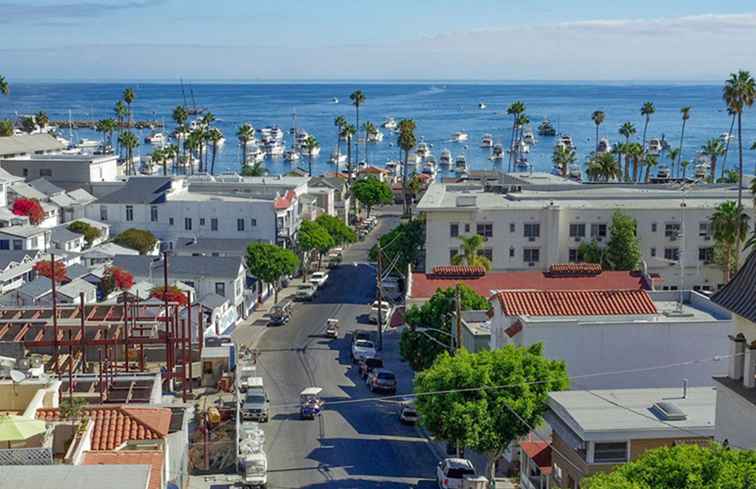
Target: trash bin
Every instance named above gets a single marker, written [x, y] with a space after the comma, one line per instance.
[474, 482]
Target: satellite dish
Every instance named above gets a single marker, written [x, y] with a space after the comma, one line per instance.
[17, 376]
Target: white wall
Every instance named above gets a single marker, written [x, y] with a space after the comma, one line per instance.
[62, 168]
[735, 419]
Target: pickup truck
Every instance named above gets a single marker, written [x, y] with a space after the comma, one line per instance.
[362, 349]
[318, 279]
[306, 292]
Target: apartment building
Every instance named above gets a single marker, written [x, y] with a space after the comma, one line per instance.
[64, 169]
[530, 226]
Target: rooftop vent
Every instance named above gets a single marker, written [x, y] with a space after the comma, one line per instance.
[668, 411]
[466, 200]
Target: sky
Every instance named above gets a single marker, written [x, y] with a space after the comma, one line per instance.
[497, 40]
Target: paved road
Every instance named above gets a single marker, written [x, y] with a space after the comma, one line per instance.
[361, 444]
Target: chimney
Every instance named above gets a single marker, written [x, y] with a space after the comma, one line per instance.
[685, 388]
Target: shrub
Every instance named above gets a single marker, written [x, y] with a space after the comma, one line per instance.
[137, 239]
[30, 208]
[90, 232]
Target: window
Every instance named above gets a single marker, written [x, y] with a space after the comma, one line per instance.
[467, 228]
[573, 255]
[531, 231]
[531, 255]
[598, 231]
[34, 242]
[202, 221]
[610, 452]
[672, 254]
[26, 172]
[153, 213]
[453, 230]
[452, 253]
[704, 230]
[213, 224]
[170, 221]
[4, 244]
[577, 230]
[188, 223]
[129, 212]
[18, 244]
[487, 252]
[253, 222]
[653, 252]
[103, 213]
[706, 255]
[240, 224]
[485, 230]
[672, 230]
[45, 172]
[512, 227]
[220, 288]
[511, 252]
[653, 227]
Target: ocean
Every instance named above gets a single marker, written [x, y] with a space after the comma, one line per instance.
[438, 109]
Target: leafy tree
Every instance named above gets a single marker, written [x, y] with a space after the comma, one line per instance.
[623, 250]
[128, 140]
[591, 252]
[713, 148]
[171, 293]
[627, 130]
[339, 231]
[70, 407]
[684, 466]
[470, 256]
[474, 411]
[90, 232]
[52, 270]
[730, 226]
[372, 192]
[728, 176]
[30, 208]
[137, 239]
[6, 128]
[107, 127]
[245, 134]
[563, 157]
[313, 237]
[598, 117]
[116, 278]
[416, 347]
[4, 87]
[41, 118]
[256, 169]
[28, 124]
[270, 263]
[407, 240]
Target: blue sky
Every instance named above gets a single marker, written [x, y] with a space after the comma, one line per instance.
[389, 39]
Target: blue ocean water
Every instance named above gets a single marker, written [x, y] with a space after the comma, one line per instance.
[438, 109]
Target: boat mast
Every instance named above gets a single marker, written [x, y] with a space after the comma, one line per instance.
[183, 93]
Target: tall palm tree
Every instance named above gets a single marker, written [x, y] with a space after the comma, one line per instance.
[673, 155]
[646, 111]
[515, 109]
[206, 123]
[406, 142]
[627, 130]
[603, 167]
[107, 127]
[340, 122]
[180, 116]
[256, 169]
[121, 112]
[470, 256]
[357, 98]
[159, 157]
[713, 149]
[245, 134]
[685, 112]
[738, 93]
[370, 130]
[128, 96]
[733, 117]
[522, 121]
[41, 118]
[634, 151]
[562, 158]
[650, 161]
[684, 164]
[172, 153]
[4, 87]
[214, 135]
[598, 119]
[309, 145]
[129, 141]
[729, 225]
[348, 133]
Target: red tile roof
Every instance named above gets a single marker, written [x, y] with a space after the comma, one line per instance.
[285, 201]
[458, 271]
[117, 425]
[374, 170]
[576, 302]
[425, 285]
[152, 458]
[540, 453]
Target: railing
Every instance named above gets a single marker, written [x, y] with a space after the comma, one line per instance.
[26, 456]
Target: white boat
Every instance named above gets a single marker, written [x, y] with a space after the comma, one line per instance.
[334, 100]
[655, 146]
[291, 155]
[394, 168]
[521, 147]
[497, 153]
[375, 137]
[274, 148]
[528, 136]
[460, 137]
[429, 168]
[573, 171]
[423, 150]
[604, 146]
[255, 153]
[663, 172]
[445, 158]
[726, 137]
[390, 123]
[482, 106]
[156, 138]
[565, 142]
[486, 141]
[337, 158]
[85, 143]
[460, 164]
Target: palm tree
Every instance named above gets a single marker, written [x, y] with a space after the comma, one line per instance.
[634, 151]
[650, 161]
[739, 92]
[245, 133]
[515, 109]
[41, 119]
[159, 157]
[685, 111]
[107, 127]
[357, 98]
[120, 112]
[646, 110]
[4, 87]
[673, 155]
[128, 97]
[470, 256]
[206, 123]
[172, 153]
[406, 142]
[340, 122]
[6, 128]
[309, 145]
[627, 130]
[563, 157]
[214, 135]
[129, 141]
[684, 166]
[180, 116]
[729, 225]
[598, 119]
[347, 133]
[733, 117]
[713, 149]
[522, 121]
[256, 169]
[370, 130]
[603, 167]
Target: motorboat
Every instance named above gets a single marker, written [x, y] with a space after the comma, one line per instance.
[337, 158]
[545, 128]
[255, 153]
[277, 133]
[394, 168]
[486, 141]
[375, 137]
[334, 100]
[423, 150]
[300, 137]
[429, 168]
[445, 158]
[85, 143]
[663, 172]
[274, 148]
[390, 123]
[460, 137]
[655, 146]
[497, 153]
[565, 142]
[604, 146]
[573, 171]
[528, 137]
[482, 106]
[156, 138]
[460, 164]
[291, 155]
[726, 137]
[702, 168]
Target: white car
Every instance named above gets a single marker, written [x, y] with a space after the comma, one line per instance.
[318, 279]
[306, 292]
[385, 312]
[451, 471]
[362, 349]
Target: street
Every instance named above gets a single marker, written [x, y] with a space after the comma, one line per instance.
[356, 444]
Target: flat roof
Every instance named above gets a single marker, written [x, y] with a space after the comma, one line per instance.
[112, 476]
[29, 143]
[628, 413]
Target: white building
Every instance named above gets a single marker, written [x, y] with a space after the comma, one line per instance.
[27, 237]
[16, 268]
[534, 226]
[27, 145]
[65, 169]
[601, 331]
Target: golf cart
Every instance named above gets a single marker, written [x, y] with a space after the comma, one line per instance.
[310, 402]
[332, 328]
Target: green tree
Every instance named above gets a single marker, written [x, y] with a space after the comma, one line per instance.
[245, 134]
[372, 192]
[406, 142]
[4, 87]
[591, 252]
[339, 231]
[627, 130]
[107, 127]
[650, 161]
[729, 225]
[90, 232]
[647, 110]
[28, 125]
[347, 132]
[6, 128]
[128, 96]
[739, 92]
[137, 239]
[598, 117]
[634, 152]
[515, 109]
[713, 149]
[471, 248]
[313, 237]
[603, 167]
[563, 157]
[684, 164]
[215, 136]
[129, 141]
[623, 250]
[357, 98]
[407, 240]
[683, 466]
[370, 130]
[729, 176]
[256, 169]
[421, 349]
[340, 122]
[460, 398]
[685, 113]
[180, 116]
[41, 118]
[310, 145]
[71, 407]
[270, 263]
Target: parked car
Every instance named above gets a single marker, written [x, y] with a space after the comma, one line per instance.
[318, 279]
[256, 405]
[361, 335]
[362, 349]
[280, 313]
[385, 312]
[367, 365]
[306, 292]
[408, 413]
[382, 380]
[451, 471]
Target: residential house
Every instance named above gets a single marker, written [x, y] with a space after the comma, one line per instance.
[594, 431]
[16, 268]
[52, 212]
[70, 170]
[475, 329]
[71, 203]
[64, 240]
[38, 292]
[103, 254]
[27, 237]
[27, 145]
[380, 174]
[211, 247]
[337, 182]
[535, 464]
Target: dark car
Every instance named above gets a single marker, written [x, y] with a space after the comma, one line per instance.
[280, 313]
[368, 365]
[383, 380]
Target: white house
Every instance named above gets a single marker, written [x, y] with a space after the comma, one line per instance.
[65, 169]
[26, 145]
[597, 332]
[61, 239]
[530, 227]
[26, 237]
[16, 268]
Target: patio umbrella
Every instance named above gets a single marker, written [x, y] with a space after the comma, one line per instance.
[17, 428]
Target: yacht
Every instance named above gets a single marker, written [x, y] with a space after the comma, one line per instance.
[460, 137]
[573, 171]
[300, 137]
[604, 146]
[497, 153]
[702, 168]
[337, 158]
[423, 150]
[156, 138]
[482, 106]
[255, 153]
[445, 158]
[335, 100]
[277, 133]
[726, 137]
[375, 137]
[390, 123]
[274, 148]
[663, 172]
[429, 168]
[546, 129]
[655, 146]
[460, 164]
[394, 168]
[486, 141]
[85, 143]
[565, 142]
[528, 137]
[291, 155]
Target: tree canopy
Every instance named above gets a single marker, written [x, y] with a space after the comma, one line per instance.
[407, 240]
[116, 278]
[372, 192]
[90, 232]
[474, 410]
[30, 208]
[623, 250]
[685, 466]
[313, 236]
[137, 239]
[269, 263]
[337, 228]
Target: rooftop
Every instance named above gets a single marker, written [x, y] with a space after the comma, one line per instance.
[80, 477]
[25, 231]
[179, 265]
[45, 187]
[29, 143]
[539, 452]
[153, 458]
[8, 257]
[210, 245]
[739, 295]
[61, 234]
[140, 190]
[576, 302]
[25, 190]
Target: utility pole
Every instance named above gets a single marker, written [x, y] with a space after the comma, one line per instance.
[53, 276]
[379, 291]
[458, 306]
